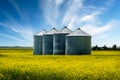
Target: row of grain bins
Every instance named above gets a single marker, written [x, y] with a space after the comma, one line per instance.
[62, 42]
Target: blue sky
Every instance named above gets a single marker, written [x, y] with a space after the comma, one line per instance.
[21, 19]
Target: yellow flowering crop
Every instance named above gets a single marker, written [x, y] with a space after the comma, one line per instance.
[21, 64]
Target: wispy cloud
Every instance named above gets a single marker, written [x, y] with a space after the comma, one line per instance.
[58, 2]
[12, 37]
[50, 11]
[97, 30]
[19, 11]
[72, 11]
[21, 30]
[20, 42]
[24, 30]
[76, 14]
[90, 17]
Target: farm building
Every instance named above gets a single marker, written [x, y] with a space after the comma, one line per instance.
[63, 42]
[78, 42]
[48, 41]
[38, 40]
[59, 41]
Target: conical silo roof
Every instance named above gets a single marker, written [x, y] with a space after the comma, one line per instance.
[41, 33]
[78, 32]
[65, 30]
[51, 32]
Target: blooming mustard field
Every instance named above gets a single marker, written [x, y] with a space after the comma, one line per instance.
[21, 64]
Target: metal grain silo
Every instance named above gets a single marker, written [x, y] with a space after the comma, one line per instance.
[78, 42]
[59, 41]
[48, 42]
[38, 42]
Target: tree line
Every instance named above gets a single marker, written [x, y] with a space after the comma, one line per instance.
[114, 47]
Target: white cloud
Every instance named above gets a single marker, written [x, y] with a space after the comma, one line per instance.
[71, 23]
[21, 30]
[58, 2]
[24, 30]
[20, 12]
[97, 30]
[90, 17]
[20, 42]
[77, 14]
[51, 11]
[73, 7]
[16, 7]
[12, 37]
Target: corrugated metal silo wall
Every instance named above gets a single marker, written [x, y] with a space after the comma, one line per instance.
[38, 40]
[59, 43]
[48, 44]
[78, 45]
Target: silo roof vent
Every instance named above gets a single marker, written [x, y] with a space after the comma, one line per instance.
[64, 30]
[65, 27]
[78, 29]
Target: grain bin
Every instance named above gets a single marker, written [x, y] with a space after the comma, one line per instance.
[48, 42]
[59, 41]
[38, 42]
[78, 42]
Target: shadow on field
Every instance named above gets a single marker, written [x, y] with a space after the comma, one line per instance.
[1, 55]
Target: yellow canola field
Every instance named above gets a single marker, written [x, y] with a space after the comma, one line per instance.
[21, 64]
